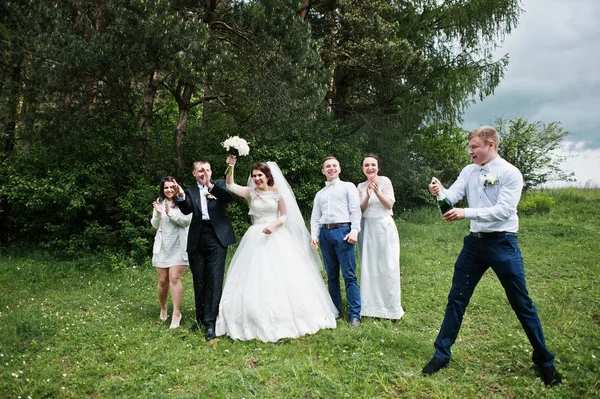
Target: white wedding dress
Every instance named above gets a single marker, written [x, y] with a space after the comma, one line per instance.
[273, 287]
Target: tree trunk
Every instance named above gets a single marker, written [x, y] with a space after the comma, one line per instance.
[205, 112]
[340, 94]
[10, 128]
[184, 103]
[150, 88]
[306, 4]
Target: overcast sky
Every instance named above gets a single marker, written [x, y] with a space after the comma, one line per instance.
[553, 75]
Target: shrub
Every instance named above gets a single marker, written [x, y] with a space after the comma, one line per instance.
[535, 203]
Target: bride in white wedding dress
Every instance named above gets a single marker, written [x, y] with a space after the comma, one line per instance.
[273, 287]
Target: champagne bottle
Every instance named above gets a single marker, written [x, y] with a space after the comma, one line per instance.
[443, 203]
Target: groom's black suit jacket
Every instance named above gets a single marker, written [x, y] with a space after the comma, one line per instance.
[217, 210]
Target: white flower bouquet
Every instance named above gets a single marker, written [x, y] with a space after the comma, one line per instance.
[235, 146]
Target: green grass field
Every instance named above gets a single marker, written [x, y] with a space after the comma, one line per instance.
[89, 328]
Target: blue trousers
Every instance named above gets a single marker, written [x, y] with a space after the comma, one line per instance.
[503, 255]
[338, 253]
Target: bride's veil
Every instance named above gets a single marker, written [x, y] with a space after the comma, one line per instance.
[295, 222]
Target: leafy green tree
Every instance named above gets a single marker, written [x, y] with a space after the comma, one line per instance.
[99, 99]
[400, 72]
[532, 147]
[418, 61]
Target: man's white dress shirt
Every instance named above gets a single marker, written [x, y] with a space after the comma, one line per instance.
[492, 207]
[203, 198]
[337, 202]
[203, 193]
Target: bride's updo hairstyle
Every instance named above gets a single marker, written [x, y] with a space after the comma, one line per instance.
[263, 167]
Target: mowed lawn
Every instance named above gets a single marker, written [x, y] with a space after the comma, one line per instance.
[89, 328]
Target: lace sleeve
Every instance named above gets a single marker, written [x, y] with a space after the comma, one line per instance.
[387, 188]
[277, 195]
[240, 190]
[362, 189]
[282, 208]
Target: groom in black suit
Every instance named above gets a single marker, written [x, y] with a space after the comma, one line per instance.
[209, 236]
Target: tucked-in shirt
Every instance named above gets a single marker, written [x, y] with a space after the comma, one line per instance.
[493, 192]
[337, 202]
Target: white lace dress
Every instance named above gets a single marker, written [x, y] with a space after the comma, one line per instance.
[273, 288]
[379, 246]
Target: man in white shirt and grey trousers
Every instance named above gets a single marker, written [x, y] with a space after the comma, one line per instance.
[335, 223]
[493, 189]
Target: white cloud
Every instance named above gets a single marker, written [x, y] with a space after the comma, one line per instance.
[552, 75]
[584, 162]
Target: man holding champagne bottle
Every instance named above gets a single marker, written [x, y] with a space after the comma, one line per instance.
[493, 189]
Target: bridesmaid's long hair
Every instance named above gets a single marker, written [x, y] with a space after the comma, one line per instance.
[263, 167]
[161, 194]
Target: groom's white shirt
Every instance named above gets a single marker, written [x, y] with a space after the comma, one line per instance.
[337, 202]
[492, 207]
[204, 191]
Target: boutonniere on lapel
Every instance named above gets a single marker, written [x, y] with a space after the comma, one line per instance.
[489, 181]
[209, 196]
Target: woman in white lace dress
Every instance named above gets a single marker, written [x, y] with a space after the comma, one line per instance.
[273, 287]
[379, 245]
[169, 255]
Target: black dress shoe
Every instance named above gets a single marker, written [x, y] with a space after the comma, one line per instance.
[210, 333]
[434, 366]
[550, 376]
[195, 327]
[354, 322]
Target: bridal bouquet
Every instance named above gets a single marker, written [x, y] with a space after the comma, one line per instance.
[235, 146]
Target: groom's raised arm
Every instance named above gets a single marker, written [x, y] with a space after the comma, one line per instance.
[183, 199]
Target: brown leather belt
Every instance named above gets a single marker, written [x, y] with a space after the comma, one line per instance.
[334, 225]
[494, 234]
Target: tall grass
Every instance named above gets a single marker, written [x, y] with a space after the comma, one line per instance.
[89, 328]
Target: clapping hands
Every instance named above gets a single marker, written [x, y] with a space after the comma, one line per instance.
[373, 186]
[159, 208]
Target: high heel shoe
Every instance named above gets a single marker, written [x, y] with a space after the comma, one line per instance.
[175, 324]
[165, 317]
